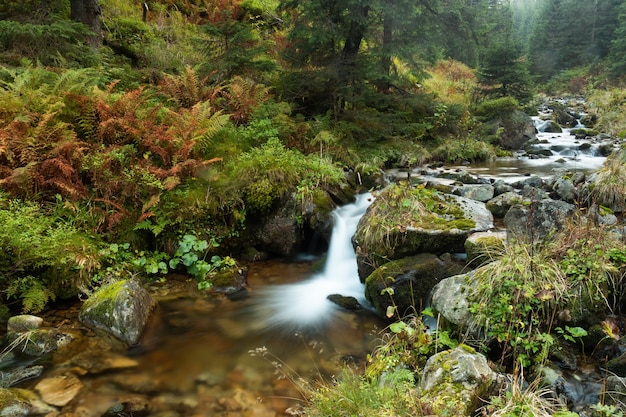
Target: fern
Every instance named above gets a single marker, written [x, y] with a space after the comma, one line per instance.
[184, 89]
[242, 97]
[33, 294]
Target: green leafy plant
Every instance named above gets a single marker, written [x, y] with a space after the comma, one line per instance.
[192, 253]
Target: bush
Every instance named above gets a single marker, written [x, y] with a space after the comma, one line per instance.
[496, 108]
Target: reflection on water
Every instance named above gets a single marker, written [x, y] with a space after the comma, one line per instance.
[198, 357]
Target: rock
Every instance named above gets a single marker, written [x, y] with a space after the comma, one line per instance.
[23, 323]
[564, 189]
[500, 205]
[614, 390]
[478, 192]
[121, 309]
[17, 375]
[231, 281]
[59, 390]
[38, 342]
[501, 187]
[12, 404]
[549, 126]
[345, 302]
[517, 129]
[564, 118]
[405, 221]
[450, 298]
[129, 407]
[406, 283]
[455, 382]
[483, 247]
[534, 222]
[279, 232]
[97, 361]
[532, 181]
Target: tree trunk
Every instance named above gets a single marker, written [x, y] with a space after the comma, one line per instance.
[88, 12]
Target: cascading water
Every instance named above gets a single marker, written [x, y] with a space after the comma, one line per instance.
[305, 304]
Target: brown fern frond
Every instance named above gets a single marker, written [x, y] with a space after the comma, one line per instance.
[58, 166]
[242, 96]
[153, 201]
[145, 216]
[184, 89]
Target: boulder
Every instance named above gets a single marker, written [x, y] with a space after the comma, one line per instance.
[121, 309]
[8, 378]
[501, 187]
[535, 221]
[39, 342]
[402, 222]
[450, 300]
[482, 247]
[23, 323]
[455, 382]
[564, 189]
[478, 192]
[517, 129]
[406, 283]
[500, 205]
[549, 126]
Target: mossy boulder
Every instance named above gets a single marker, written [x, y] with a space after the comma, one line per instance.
[406, 283]
[515, 130]
[482, 247]
[120, 309]
[406, 220]
[455, 382]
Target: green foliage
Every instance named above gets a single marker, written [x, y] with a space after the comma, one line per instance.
[55, 43]
[464, 149]
[515, 300]
[496, 108]
[269, 172]
[39, 257]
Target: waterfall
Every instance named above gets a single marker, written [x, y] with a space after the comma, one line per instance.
[305, 304]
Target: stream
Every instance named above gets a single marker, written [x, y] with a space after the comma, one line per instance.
[217, 356]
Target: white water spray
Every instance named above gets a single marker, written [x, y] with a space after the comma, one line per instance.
[305, 304]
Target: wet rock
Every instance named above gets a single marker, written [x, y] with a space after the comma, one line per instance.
[483, 247]
[406, 283]
[129, 407]
[345, 302]
[12, 404]
[97, 361]
[614, 390]
[500, 205]
[38, 342]
[532, 181]
[533, 222]
[549, 126]
[231, 281]
[454, 382]
[121, 309]
[59, 390]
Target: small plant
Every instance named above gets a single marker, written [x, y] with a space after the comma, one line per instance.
[192, 253]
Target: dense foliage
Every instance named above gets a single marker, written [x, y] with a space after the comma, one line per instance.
[146, 140]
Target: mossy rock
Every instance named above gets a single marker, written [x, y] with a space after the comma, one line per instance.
[121, 309]
[483, 247]
[12, 404]
[405, 221]
[231, 280]
[406, 283]
[455, 382]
